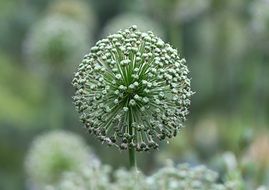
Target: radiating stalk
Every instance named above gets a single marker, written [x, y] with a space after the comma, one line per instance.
[132, 157]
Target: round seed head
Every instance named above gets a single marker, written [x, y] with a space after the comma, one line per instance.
[149, 107]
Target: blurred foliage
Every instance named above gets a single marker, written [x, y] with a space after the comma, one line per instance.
[225, 43]
[123, 21]
[21, 93]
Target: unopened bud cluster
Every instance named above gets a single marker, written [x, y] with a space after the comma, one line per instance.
[132, 90]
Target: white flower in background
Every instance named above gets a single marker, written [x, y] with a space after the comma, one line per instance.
[262, 188]
[172, 177]
[183, 176]
[123, 21]
[57, 43]
[53, 154]
[89, 177]
[130, 180]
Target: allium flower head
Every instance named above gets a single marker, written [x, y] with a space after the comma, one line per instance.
[132, 89]
[54, 153]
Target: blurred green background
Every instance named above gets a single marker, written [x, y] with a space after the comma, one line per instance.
[225, 43]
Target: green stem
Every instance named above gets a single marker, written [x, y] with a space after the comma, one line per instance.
[132, 157]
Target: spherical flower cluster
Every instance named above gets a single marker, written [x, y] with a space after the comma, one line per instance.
[169, 177]
[54, 153]
[132, 89]
[123, 21]
[56, 42]
[185, 177]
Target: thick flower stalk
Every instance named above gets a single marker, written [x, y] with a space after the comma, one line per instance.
[132, 90]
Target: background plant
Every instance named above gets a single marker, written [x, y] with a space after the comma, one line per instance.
[55, 168]
[50, 156]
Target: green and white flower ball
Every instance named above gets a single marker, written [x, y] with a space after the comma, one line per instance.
[132, 90]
